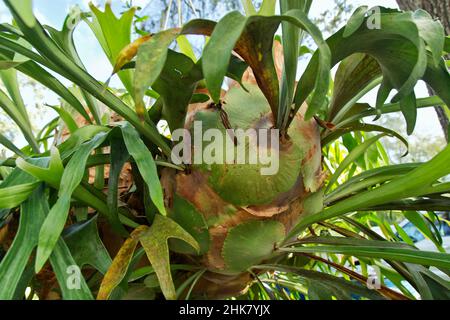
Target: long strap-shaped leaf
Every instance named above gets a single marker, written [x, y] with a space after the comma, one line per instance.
[32, 216]
[11, 197]
[119, 156]
[56, 59]
[16, 259]
[23, 122]
[292, 37]
[10, 81]
[8, 144]
[355, 154]
[56, 219]
[365, 181]
[35, 71]
[337, 285]
[373, 249]
[52, 176]
[39, 74]
[413, 184]
[147, 166]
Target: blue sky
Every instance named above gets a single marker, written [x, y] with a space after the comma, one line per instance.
[53, 12]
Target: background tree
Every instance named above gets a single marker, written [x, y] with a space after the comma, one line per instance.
[174, 12]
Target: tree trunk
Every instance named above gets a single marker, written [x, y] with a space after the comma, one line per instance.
[439, 9]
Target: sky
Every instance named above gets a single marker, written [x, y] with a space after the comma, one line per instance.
[53, 12]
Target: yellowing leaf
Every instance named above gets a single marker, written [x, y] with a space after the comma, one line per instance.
[119, 265]
[152, 56]
[129, 52]
[154, 242]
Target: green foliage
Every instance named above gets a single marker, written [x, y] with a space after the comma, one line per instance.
[408, 37]
[374, 249]
[61, 209]
[251, 242]
[186, 215]
[154, 241]
[113, 34]
[84, 242]
[147, 167]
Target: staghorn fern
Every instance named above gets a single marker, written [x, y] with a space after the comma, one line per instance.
[225, 230]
